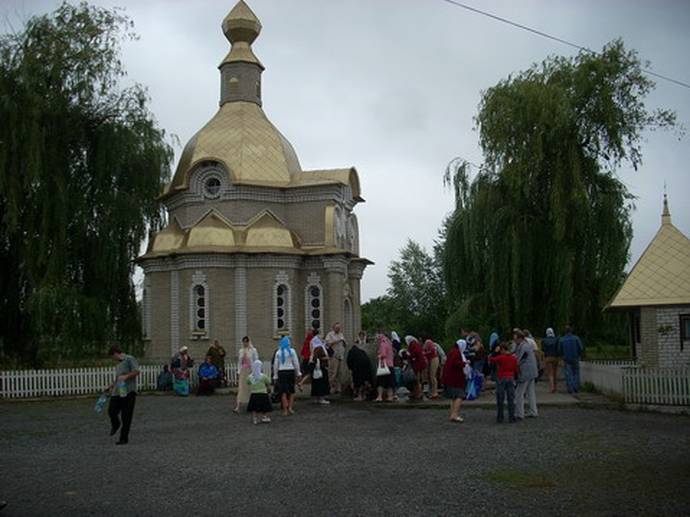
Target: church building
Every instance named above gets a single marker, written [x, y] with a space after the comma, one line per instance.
[254, 244]
[656, 296]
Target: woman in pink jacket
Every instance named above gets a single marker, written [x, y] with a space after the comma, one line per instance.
[385, 358]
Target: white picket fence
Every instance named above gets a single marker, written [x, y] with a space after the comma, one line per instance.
[606, 376]
[83, 381]
[657, 386]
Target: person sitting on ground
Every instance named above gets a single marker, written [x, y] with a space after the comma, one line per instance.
[286, 372]
[318, 366]
[359, 364]
[506, 371]
[419, 364]
[217, 353]
[455, 379]
[259, 386]
[208, 377]
[165, 379]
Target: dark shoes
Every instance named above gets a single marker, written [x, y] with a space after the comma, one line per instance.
[3, 504]
[121, 442]
[114, 429]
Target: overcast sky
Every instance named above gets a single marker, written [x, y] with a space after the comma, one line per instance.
[391, 87]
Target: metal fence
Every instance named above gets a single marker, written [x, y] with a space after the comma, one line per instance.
[84, 381]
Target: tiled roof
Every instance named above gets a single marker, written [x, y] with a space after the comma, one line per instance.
[662, 274]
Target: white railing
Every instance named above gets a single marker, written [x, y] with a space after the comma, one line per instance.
[657, 386]
[606, 376]
[84, 381]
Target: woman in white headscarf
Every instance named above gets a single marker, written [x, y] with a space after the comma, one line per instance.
[259, 403]
[245, 359]
[552, 357]
[455, 373]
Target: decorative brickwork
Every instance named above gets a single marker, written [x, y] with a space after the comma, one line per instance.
[174, 312]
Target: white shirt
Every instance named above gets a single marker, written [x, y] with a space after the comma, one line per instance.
[291, 363]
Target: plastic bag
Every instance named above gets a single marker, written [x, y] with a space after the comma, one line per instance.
[474, 386]
[101, 402]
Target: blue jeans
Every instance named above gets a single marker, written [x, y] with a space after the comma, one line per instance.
[572, 376]
[505, 387]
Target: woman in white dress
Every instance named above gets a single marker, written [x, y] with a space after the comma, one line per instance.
[245, 360]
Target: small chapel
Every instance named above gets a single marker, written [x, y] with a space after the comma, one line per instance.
[254, 245]
[656, 296]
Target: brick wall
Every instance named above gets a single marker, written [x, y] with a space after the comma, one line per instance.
[648, 353]
[668, 336]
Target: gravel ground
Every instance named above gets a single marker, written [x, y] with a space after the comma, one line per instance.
[194, 457]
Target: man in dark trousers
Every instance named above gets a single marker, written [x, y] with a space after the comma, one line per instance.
[123, 393]
[571, 348]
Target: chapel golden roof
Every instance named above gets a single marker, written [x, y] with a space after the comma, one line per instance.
[241, 138]
[661, 276]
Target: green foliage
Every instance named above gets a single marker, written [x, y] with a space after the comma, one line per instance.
[81, 163]
[540, 236]
[417, 292]
[378, 314]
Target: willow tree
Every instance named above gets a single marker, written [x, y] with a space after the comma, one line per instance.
[81, 163]
[540, 235]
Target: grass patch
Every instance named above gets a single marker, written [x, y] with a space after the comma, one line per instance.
[519, 479]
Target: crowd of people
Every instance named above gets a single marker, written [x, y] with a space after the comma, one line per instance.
[383, 368]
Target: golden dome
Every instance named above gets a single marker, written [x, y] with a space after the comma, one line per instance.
[242, 139]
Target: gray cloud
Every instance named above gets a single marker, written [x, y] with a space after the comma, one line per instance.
[391, 86]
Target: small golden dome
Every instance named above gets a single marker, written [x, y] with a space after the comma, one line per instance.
[241, 24]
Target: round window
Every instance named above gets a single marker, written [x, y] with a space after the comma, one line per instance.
[212, 187]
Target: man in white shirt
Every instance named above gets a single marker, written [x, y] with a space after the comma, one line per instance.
[335, 340]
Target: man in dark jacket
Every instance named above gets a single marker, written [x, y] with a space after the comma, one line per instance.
[571, 348]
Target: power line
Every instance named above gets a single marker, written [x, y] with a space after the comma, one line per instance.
[552, 37]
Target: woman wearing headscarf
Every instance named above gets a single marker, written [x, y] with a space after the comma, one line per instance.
[395, 340]
[455, 378]
[385, 358]
[245, 359]
[552, 356]
[259, 385]
[418, 362]
[285, 372]
[318, 365]
[359, 364]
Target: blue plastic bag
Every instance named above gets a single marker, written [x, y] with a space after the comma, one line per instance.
[474, 386]
[101, 402]
[181, 387]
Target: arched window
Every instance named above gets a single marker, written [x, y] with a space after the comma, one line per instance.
[281, 304]
[199, 305]
[313, 301]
